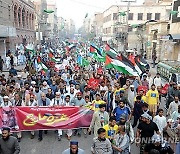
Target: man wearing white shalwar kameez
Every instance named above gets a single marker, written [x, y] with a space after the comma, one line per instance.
[131, 95]
[8, 59]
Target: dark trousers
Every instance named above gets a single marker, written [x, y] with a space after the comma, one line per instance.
[41, 133]
[154, 63]
[136, 118]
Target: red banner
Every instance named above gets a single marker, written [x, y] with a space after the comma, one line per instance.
[45, 118]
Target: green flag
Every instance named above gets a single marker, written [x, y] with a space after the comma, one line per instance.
[134, 25]
[48, 11]
[174, 12]
[122, 13]
[85, 62]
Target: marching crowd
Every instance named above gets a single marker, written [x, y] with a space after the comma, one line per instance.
[119, 105]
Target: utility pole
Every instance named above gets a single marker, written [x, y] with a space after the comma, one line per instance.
[127, 24]
[127, 28]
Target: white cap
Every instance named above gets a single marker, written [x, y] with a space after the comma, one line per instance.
[44, 83]
[6, 97]
[170, 120]
[19, 76]
[131, 86]
[58, 93]
[33, 82]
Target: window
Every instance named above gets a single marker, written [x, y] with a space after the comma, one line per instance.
[23, 17]
[157, 16]
[140, 16]
[114, 16]
[114, 30]
[130, 17]
[149, 16]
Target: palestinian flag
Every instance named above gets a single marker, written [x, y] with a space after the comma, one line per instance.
[70, 47]
[94, 48]
[119, 66]
[139, 64]
[134, 62]
[142, 61]
[51, 57]
[41, 66]
[129, 65]
[110, 50]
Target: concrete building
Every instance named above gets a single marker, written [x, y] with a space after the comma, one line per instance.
[156, 37]
[52, 19]
[16, 23]
[175, 31]
[98, 25]
[7, 31]
[70, 28]
[62, 32]
[115, 22]
[164, 37]
[23, 21]
[41, 19]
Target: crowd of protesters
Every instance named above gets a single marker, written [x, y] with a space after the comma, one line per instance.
[119, 106]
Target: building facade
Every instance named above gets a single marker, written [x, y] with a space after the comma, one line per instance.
[52, 20]
[113, 24]
[7, 31]
[24, 22]
[164, 37]
[17, 24]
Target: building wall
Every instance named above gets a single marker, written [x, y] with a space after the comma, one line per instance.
[175, 28]
[52, 19]
[156, 34]
[16, 23]
[6, 22]
[113, 25]
[23, 21]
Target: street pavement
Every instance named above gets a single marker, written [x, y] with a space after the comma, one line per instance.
[50, 143]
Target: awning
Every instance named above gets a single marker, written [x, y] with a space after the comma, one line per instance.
[166, 37]
[171, 37]
[176, 36]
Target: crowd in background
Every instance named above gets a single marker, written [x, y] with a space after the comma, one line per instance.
[119, 105]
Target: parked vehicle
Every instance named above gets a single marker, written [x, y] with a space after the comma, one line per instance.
[169, 70]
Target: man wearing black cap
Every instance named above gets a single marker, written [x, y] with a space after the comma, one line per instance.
[8, 144]
[73, 149]
[145, 131]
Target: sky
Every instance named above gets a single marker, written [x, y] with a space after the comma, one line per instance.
[77, 9]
